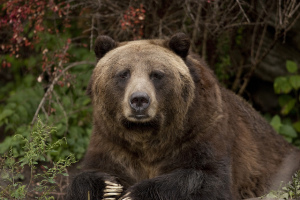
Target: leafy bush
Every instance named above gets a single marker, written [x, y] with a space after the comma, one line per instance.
[67, 108]
[36, 49]
[36, 147]
[289, 100]
[289, 191]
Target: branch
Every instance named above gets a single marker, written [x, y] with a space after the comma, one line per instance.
[194, 35]
[261, 42]
[243, 24]
[63, 110]
[50, 89]
[243, 11]
[254, 66]
[278, 35]
[238, 75]
[92, 35]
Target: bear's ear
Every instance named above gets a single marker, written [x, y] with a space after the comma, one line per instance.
[103, 44]
[180, 44]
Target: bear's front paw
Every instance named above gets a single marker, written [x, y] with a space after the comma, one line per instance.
[145, 190]
[159, 188]
[126, 197]
[94, 185]
[112, 191]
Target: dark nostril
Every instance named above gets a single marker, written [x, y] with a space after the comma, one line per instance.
[139, 101]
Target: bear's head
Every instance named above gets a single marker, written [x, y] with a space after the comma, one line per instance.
[144, 83]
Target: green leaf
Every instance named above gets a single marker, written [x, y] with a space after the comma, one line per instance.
[285, 196]
[289, 139]
[284, 99]
[291, 66]
[276, 123]
[6, 113]
[50, 180]
[5, 175]
[295, 81]
[288, 130]
[288, 107]
[296, 126]
[282, 85]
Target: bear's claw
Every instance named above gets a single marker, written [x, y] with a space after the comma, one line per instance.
[112, 191]
[126, 197]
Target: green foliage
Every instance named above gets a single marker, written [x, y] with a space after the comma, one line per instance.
[288, 87]
[289, 191]
[37, 147]
[282, 85]
[291, 66]
[37, 44]
[42, 53]
[67, 108]
[284, 128]
[222, 67]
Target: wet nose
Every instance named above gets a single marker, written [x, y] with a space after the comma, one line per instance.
[139, 101]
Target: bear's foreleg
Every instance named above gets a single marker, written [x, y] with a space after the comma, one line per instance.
[94, 185]
[182, 184]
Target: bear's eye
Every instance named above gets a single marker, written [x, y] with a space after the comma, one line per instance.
[124, 74]
[157, 75]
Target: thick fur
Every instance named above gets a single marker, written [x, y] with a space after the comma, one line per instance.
[200, 141]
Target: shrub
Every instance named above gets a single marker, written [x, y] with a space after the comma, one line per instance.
[37, 147]
[288, 87]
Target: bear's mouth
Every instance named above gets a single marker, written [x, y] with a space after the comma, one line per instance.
[140, 125]
[139, 116]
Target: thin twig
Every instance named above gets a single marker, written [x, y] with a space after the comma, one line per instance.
[50, 89]
[204, 42]
[295, 9]
[160, 29]
[293, 23]
[92, 34]
[262, 39]
[45, 112]
[64, 112]
[278, 35]
[279, 12]
[243, 11]
[196, 28]
[254, 66]
[238, 75]
[243, 24]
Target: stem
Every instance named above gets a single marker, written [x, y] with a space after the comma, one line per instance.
[243, 11]
[31, 175]
[196, 24]
[238, 75]
[204, 43]
[92, 34]
[160, 29]
[254, 66]
[297, 92]
[50, 89]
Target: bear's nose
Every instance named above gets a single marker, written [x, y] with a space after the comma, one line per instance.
[139, 101]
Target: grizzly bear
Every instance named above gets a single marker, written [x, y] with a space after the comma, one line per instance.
[165, 129]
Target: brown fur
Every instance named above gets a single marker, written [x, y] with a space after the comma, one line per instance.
[193, 114]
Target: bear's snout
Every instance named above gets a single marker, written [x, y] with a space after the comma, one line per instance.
[139, 102]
